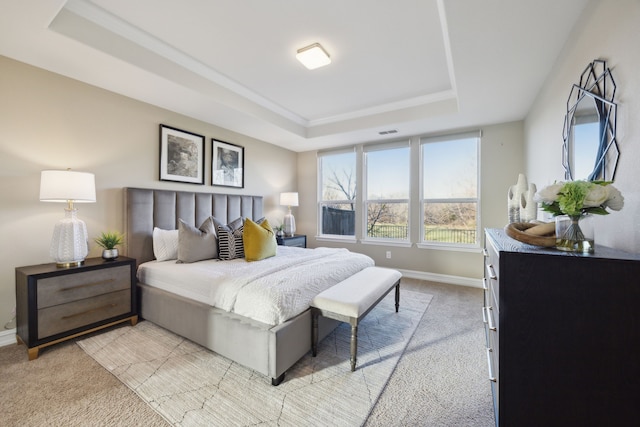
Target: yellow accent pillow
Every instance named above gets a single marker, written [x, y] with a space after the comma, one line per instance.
[259, 240]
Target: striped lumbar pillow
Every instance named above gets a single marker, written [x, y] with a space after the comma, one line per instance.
[230, 241]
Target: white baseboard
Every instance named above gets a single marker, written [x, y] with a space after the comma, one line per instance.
[7, 337]
[442, 278]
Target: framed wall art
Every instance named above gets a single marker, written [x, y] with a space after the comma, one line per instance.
[181, 156]
[227, 165]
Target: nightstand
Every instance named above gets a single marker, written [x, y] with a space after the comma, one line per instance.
[298, 240]
[56, 304]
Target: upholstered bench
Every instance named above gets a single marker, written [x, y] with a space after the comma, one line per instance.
[350, 301]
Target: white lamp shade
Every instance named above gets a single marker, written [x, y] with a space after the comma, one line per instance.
[289, 199]
[65, 185]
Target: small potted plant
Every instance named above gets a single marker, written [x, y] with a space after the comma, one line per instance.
[279, 230]
[108, 241]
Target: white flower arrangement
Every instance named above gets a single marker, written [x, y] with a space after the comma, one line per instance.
[575, 198]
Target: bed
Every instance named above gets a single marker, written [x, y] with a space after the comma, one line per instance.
[268, 346]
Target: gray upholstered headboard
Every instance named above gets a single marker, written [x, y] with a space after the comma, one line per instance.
[148, 208]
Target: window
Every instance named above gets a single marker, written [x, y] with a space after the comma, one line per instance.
[337, 204]
[423, 191]
[386, 202]
[449, 193]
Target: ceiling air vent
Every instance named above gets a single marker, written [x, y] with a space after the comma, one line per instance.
[388, 132]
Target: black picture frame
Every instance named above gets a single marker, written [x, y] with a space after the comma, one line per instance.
[181, 156]
[227, 164]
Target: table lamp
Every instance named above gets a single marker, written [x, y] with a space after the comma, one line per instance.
[289, 199]
[70, 242]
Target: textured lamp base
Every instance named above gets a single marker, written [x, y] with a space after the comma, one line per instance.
[69, 244]
[289, 224]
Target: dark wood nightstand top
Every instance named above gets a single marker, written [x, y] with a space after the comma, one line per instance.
[89, 263]
[298, 240]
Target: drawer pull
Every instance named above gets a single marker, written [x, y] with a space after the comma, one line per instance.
[484, 252]
[71, 316]
[102, 282]
[492, 377]
[489, 315]
[484, 284]
[491, 272]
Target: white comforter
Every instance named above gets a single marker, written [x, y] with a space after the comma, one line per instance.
[272, 290]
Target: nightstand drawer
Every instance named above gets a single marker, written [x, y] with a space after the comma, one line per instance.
[65, 317]
[62, 289]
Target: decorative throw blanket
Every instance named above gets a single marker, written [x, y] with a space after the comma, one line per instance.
[271, 291]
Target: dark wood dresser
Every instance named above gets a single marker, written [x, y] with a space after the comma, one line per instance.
[56, 304]
[563, 334]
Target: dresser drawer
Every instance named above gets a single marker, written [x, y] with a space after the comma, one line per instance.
[57, 290]
[492, 273]
[65, 317]
[493, 355]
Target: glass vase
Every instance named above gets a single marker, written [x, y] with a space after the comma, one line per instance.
[573, 234]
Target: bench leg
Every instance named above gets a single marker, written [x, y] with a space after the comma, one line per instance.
[354, 346]
[397, 296]
[314, 333]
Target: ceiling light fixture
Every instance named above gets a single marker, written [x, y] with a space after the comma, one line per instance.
[313, 56]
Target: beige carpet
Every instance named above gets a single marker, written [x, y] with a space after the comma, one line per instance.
[189, 385]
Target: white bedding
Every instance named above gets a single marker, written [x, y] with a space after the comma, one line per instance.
[272, 290]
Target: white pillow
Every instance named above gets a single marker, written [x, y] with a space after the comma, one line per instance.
[165, 244]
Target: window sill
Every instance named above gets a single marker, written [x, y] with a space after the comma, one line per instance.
[445, 247]
[400, 244]
[345, 239]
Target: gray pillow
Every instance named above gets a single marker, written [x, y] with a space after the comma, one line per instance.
[197, 244]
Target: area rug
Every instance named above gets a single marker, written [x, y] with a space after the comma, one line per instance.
[192, 386]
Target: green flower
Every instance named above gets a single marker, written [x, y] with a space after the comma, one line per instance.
[572, 195]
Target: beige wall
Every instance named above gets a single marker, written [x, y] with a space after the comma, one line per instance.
[52, 122]
[607, 30]
[501, 160]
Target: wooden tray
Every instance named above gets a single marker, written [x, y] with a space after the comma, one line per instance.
[515, 230]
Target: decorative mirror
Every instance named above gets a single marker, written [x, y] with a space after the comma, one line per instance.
[590, 149]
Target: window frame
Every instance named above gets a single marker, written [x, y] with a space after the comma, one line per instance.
[415, 202]
[366, 239]
[429, 244]
[321, 202]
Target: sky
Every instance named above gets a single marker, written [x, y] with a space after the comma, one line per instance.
[586, 144]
